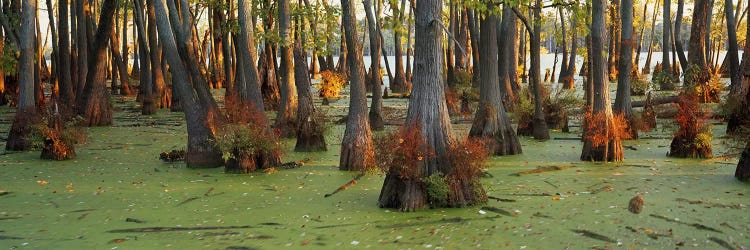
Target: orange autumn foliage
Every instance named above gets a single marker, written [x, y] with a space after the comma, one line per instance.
[403, 152]
[331, 83]
[690, 115]
[600, 131]
[467, 158]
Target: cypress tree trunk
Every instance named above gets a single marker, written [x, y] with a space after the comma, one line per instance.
[507, 59]
[743, 166]
[647, 66]
[82, 41]
[199, 118]
[462, 35]
[286, 116]
[677, 30]
[157, 92]
[474, 31]
[248, 56]
[375, 115]
[19, 136]
[94, 104]
[609, 149]
[310, 136]
[540, 131]
[145, 94]
[698, 32]
[490, 121]
[119, 63]
[666, 44]
[399, 83]
[427, 108]
[740, 115]
[356, 147]
[622, 100]
[512, 48]
[732, 53]
[564, 66]
[636, 59]
[65, 81]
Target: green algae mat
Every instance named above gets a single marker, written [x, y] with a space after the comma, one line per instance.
[117, 195]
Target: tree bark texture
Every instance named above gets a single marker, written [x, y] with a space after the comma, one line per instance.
[94, 104]
[540, 131]
[200, 122]
[697, 45]
[356, 147]
[310, 137]
[490, 121]
[743, 166]
[611, 149]
[677, 30]
[248, 56]
[19, 136]
[286, 116]
[427, 107]
[622, 99]
[376, 81]
[65, 80]
[666, 44]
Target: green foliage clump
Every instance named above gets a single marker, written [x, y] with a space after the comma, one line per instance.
[8, 60]
[437, 190]
[638, 86]
[703, 83]
[662, 79]
[234, 140]
[703, 139]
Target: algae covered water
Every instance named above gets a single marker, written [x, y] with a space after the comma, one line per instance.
[117, 195]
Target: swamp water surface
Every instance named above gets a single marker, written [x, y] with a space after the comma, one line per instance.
[117, 195]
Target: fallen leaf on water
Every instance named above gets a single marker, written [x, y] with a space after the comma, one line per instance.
[42, 182]
[555, 198]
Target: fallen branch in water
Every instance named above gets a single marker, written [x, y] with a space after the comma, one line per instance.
[722, 243]
[542, 170]
[695, 225]
[134, 220]
[497, 210]
[3, 237]
[171, 229]
[206, 194]
[656, 101]
[710, 204]
[720, 158]
[500, 199]
[593, 235]
[346, 186]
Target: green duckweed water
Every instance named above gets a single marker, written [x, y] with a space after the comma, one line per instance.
[117, 181]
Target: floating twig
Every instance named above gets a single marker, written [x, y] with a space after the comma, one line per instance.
[497, 210]
[722, 243]
[720, 158]
[187, 200]
[593, 235]
[346, 186]
[172, 229]
[501, 199]
[550, 183]
[542, 170]
[208, 192]
[134, 220]
[5, 237]
[710, 204]
[695, 225]
[83, 210]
